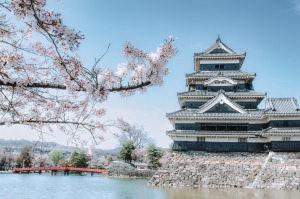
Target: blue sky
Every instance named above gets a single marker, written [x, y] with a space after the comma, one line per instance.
[267, 30]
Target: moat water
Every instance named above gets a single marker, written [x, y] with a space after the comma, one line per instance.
[46, 186]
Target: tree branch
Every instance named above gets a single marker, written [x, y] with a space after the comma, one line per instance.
[48, 122]
[130, 87]
[63, 87]
[34, 85]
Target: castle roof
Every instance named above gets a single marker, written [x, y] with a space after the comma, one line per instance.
[194, 113]
[282, 105]
[265, 132]
[186, 133]
[274, 107]
[228, 73]
[220, 50]
[207, 94]
[221, 98]
[285, 130]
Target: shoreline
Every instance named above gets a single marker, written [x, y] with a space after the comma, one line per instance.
[5, 172]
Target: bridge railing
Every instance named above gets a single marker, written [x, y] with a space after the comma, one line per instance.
[60, 169]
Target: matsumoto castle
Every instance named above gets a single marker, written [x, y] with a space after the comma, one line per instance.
[219, 109]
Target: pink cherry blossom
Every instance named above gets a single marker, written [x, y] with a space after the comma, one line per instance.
[44, 84]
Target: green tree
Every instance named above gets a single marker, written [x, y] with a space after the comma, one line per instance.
[79, 160]
[154, 155]
[55, 156]
[24, 159]
[126, 152]
[3, 162]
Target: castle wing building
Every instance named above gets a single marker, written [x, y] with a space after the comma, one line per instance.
[219, 111]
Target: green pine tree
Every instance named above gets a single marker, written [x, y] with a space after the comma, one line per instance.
[125, 153]
[154, 155]
[79, 160]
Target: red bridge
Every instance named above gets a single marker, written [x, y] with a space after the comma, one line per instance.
[55, 169]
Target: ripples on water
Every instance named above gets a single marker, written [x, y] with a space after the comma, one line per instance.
[45, 186]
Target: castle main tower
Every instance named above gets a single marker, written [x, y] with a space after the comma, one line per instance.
[219, 111]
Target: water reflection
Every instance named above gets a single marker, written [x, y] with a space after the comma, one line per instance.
[32, 186]
[231, 194]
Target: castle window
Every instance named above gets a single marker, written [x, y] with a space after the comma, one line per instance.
[211, 128]
[242, 128]
[221, 128]
[231, 128]
[219, 66]
[286, 138]
[200, 139]
[242, 139]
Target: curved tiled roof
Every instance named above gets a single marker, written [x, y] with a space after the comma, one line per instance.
[219, 45]
[193, 113]
[221, 55]
[270, 131]
[228, 73]
[282, 130]
[221, 98]
[206, 94]
[219, 49]
[212, 133]
[282, 106]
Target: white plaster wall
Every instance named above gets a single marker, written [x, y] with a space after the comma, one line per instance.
[275, 138]
[191, 139]
[195, 100]
[295, 138]
[250, 121]
[258, 140]
[279, 138]
[219, 61]
[217, 121]
[243, 99]
[230, 139]
[284, 118]
[221, 139]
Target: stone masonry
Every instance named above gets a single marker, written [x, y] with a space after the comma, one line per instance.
[282, 172]
[221, 170]
[124, 170]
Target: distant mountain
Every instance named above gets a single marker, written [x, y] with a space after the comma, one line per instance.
[105, 152]
[22, 143]
[17, 145]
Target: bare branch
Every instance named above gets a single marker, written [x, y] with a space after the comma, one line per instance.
[44, 83]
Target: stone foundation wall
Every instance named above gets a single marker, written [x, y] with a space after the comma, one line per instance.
[125, 170]
[282, 172]
[221, 170]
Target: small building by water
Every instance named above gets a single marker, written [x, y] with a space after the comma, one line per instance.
[142, 166]
[219, 111]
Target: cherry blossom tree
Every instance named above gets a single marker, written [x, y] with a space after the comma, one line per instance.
[136, 135]
[44, 84]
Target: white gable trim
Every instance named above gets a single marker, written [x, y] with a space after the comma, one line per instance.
[220, 98]
[214, 79]
[219, 45]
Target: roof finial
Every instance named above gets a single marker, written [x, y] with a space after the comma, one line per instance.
[218, 40]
